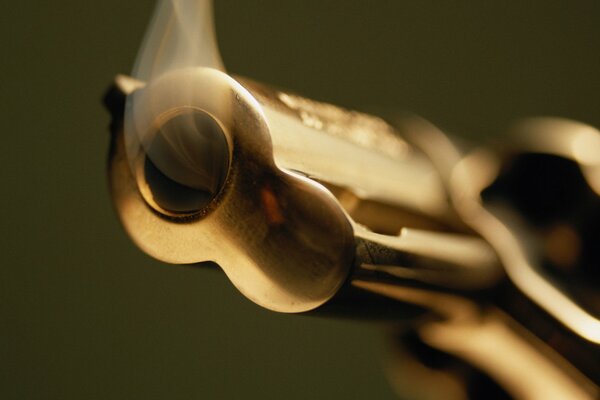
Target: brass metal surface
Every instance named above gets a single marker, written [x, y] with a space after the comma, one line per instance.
[282, 239]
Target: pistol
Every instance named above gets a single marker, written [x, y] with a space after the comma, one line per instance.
[484, 261]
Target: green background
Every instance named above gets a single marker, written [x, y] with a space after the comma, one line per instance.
[85, 315]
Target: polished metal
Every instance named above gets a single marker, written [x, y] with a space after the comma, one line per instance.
[281, 238]
[307, 206]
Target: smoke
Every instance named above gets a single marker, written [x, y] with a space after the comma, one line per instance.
[171, 122]
[181, 34]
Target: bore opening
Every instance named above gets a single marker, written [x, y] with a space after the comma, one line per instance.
[185, 162]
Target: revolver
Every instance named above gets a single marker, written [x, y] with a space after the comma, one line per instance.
[483, 261]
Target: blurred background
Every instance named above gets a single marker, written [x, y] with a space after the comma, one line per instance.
[84, 314]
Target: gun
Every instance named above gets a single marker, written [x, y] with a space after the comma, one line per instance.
[484, 261]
